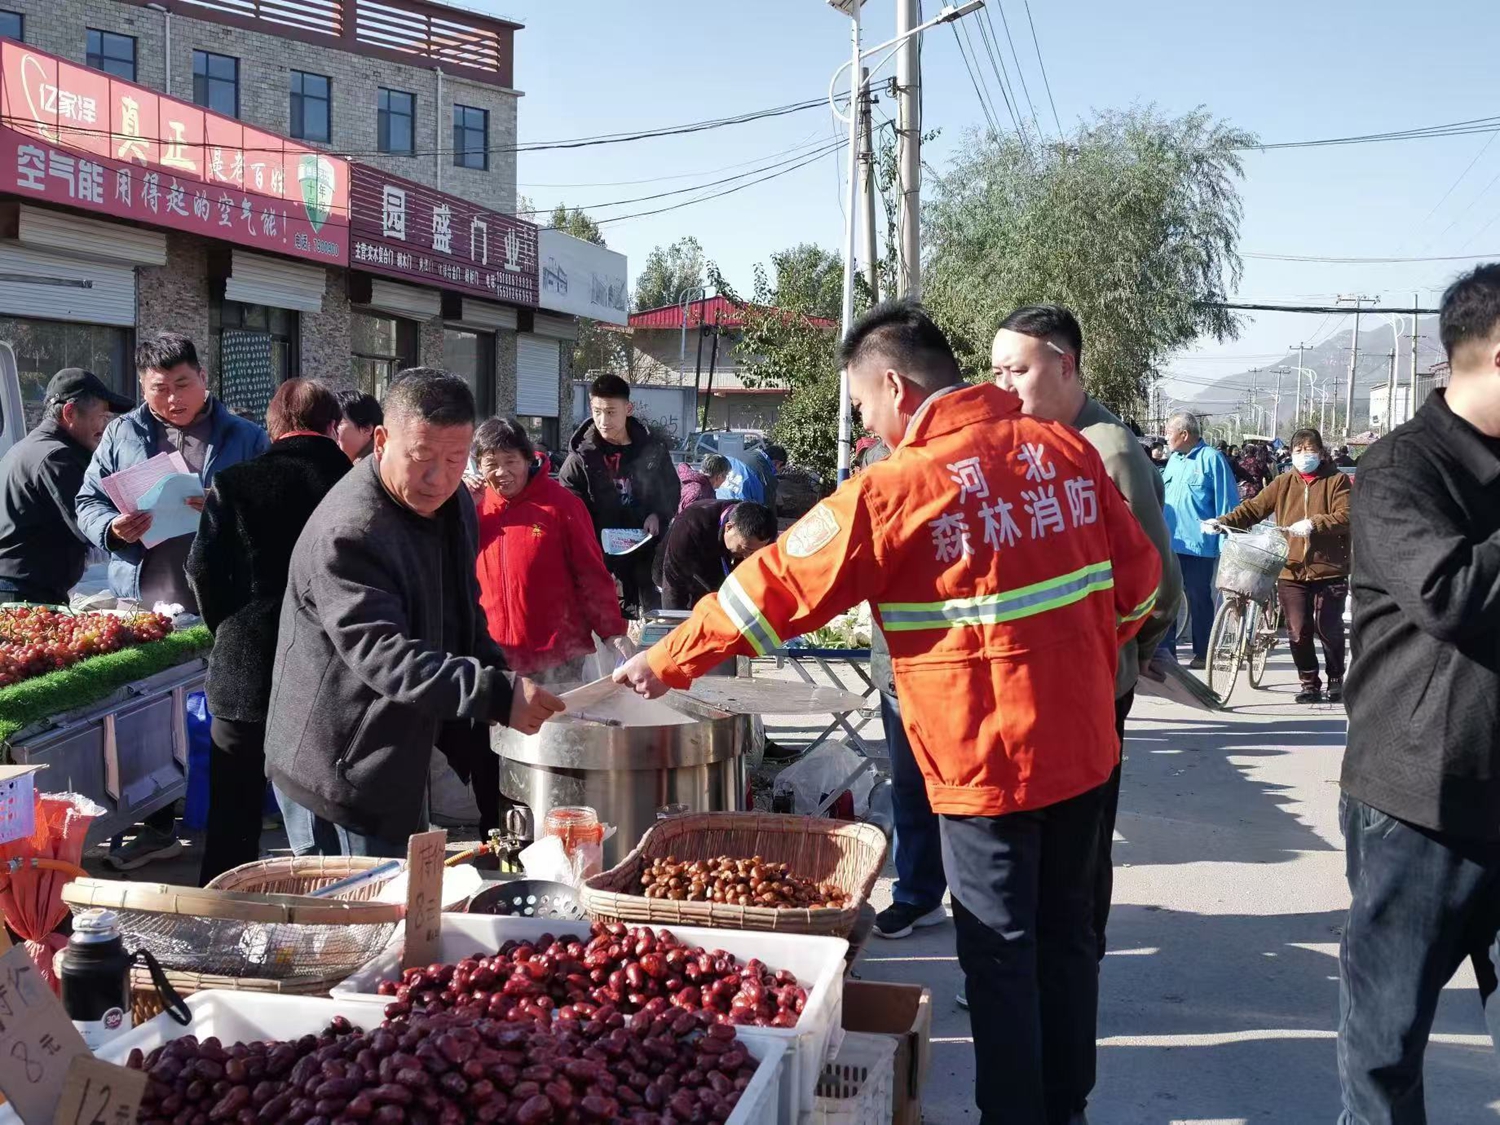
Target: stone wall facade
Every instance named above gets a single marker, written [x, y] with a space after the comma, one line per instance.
[174, 297]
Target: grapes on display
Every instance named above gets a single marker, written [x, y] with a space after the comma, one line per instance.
[35, 640]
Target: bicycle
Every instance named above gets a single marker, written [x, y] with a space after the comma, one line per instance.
[1248, 621]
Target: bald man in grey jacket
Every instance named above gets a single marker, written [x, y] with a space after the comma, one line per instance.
[1037, 353]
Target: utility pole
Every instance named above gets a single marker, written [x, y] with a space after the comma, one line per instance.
[1297, 414]
[1390, 390]
[1358, 300]
[1276, 401]
[1411, 398]
[908, 153]
[867, 187]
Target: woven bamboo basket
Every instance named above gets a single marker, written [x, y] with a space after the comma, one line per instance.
[252, 929]
[846, 854]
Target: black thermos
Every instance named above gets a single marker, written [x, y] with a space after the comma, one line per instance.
[95, 978]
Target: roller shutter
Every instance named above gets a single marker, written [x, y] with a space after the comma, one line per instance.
[59, 287]
[538, 369]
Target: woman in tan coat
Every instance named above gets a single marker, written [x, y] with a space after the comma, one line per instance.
[1311, 501]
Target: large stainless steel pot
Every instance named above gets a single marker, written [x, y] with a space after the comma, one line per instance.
[626, 773]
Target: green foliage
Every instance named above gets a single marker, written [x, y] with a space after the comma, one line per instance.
[667, 273]
[577, 223]
[597, 348]
[792, 351]
[91, 680]
[1133, 224]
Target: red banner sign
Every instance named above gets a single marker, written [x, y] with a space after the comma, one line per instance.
[80, 138]
[405, 230]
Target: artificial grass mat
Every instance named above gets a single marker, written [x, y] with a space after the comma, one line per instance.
[93, 679]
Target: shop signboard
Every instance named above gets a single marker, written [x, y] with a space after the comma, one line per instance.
[79, 138]
[583, 279]
[401, 229]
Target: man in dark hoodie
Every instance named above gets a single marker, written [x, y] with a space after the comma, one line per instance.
[625, 478]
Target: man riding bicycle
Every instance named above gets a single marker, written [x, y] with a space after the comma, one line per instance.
[1311, 501]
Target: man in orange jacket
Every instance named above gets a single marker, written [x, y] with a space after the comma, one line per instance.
[1005, 570]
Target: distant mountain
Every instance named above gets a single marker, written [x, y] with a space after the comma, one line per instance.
[1330, 359]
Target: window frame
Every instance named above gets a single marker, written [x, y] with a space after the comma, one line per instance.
[20, 24]
[462, 151]
[96, 60]
[208, 79]
[298, 99]
[383, 115]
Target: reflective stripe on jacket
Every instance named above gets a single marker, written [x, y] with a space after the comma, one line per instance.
[1005, 570]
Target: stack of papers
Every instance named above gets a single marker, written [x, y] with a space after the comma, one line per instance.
[161, 486]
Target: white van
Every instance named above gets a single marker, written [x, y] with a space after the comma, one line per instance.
[12, 413]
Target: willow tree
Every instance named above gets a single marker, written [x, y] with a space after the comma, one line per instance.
[1133, 223]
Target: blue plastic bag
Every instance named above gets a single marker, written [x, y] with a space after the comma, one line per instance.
[195, 814]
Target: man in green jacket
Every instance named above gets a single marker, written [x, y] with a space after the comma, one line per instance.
[1038, 353]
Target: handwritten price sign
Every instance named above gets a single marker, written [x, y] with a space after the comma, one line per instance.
[425, 853]
[37, 1040]
[99, 1093]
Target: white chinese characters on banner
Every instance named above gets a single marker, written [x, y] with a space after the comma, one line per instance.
[442, 229]
[393, 212]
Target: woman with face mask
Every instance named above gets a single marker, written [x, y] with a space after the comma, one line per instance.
[1310, 500]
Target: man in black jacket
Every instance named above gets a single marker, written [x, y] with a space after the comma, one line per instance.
[42, 552]
[382, 638]
[625, 477]
[708, 540]
[1421, 777]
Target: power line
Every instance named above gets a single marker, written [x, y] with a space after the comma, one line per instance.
[807, 142]
[1245, 306]
[1020, 70]
[823, 151]
[1002, 76]
[1460, 179]
[985, 82]
[1451, 129]
[988, 116]
[1043, 67]
[715, 195]
[1369, 261]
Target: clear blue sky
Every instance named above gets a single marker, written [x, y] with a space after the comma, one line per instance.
[1282, 69]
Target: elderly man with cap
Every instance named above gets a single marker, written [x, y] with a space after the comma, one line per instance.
[42, 552]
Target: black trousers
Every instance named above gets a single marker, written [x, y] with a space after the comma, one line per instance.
[1023, 906]
[1104, 877]
[1315, 609]
[236, 796]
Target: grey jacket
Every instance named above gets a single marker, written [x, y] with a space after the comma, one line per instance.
[361, 681]
[1130, 468]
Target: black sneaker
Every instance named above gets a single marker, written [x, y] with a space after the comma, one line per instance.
[898, 920]
[1335, 691]
[1309, 695]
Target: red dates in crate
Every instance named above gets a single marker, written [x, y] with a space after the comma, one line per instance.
[630, 970]
[445, 1068]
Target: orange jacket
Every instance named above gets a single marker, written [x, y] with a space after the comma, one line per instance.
[1005, 570]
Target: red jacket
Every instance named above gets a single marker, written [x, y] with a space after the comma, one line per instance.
[542, 581]
[1005, 570]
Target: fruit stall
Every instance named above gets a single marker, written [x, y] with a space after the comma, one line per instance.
[100, 698]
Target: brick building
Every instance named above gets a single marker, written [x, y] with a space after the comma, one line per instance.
[414, 104]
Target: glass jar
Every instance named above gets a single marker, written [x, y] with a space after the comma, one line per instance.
[582, 836]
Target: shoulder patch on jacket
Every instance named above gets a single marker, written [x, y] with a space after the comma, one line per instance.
[812, 532]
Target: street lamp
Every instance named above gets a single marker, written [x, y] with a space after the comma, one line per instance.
[1395, 320]
[851, 9]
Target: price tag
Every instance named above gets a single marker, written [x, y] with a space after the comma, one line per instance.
[425, 853]
[37, 1040]
[99, 1093]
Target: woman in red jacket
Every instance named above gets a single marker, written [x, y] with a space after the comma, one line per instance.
[542, 581]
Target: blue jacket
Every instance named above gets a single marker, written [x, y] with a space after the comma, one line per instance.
[131, 439]
[1200, 486]
[742, 483]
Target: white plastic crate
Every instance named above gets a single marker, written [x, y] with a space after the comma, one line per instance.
[855, 1088]
[816, 962]
[242, 1017]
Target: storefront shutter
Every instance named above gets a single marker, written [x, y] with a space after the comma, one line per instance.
[408, 301]
[70, 233]
[59, 287]
[538, 368]
[258, 280]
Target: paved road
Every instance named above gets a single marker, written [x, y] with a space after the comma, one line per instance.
[1219, 998]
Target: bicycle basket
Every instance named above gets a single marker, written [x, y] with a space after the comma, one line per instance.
[1250, 564]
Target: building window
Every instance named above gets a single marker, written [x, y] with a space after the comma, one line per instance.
[312, 119]
[216, 82]
[471, 355]
[255, 351]
[111, 53]
[471, 137]
[44, 347]
[380, 347]
[398, 112]
[12, 25]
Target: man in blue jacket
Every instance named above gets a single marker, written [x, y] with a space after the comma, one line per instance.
[1200, 486]
[178, 415]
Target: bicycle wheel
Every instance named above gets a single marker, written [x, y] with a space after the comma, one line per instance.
[1226, 648]
[1268, 629]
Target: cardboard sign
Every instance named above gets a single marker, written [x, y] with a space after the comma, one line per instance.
[38, 1042]
[99, 1093]
[425, 852]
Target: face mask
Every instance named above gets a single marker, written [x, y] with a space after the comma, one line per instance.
[1306, 462]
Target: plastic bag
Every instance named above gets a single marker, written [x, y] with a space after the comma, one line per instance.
[823, 771]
